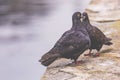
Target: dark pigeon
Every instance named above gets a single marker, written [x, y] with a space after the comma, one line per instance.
[98, 39]
[71, 45]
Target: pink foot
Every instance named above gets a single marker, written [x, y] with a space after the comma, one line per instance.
[96, 55]
[89, 54]
[79, 62]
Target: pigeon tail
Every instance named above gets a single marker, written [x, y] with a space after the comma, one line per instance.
[108, 39]
[48, 58]
[107, 42]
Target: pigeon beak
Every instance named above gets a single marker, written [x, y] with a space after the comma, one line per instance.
[82, 18]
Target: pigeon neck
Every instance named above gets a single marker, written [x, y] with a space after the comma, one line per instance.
[76, 24]
[87, 21]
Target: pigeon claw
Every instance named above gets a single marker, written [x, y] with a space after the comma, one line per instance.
[96, 55]
[89, 54]
[79, 62]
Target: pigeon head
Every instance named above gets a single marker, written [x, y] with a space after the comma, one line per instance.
[76, 20]
[85, 17]
[76, 16]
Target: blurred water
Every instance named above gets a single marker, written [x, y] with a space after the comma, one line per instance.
[23, 45]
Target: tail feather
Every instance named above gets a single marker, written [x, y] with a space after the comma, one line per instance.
[107, 41]
[48, 58]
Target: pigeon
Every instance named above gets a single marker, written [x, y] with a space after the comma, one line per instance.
[71, 44]
[97, 37]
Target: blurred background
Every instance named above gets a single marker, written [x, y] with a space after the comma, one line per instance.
[28, 29]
